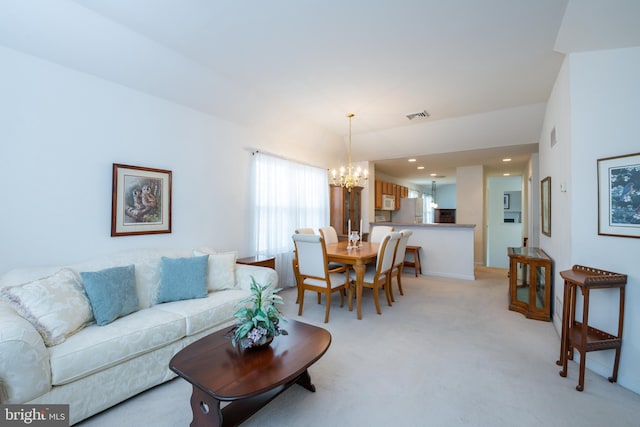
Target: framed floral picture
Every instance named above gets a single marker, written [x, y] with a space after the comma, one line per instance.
[140, 201]
[545, 206]
[619, 196]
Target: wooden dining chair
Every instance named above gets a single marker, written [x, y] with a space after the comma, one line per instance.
[398, 262]
[380, 276]
[294, 261]
[304, 231]
[329, 234]
[378, 232]
[314, 273]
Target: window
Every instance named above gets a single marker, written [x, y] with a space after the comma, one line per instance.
[288, 195]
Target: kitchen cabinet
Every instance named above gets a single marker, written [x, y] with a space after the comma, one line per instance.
[383, 188]
[344, 206]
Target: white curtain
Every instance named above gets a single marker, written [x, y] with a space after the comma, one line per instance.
[288, 195]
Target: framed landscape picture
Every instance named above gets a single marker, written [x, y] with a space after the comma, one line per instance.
[545, 206]
[140, 201]
[619, 196]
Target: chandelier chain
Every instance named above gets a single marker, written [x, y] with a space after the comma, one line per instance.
[349, 178]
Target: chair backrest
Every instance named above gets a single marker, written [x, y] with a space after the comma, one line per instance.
[386, 252]
[402, 247]
[329, 234]
[378, 232]
[304, 231]
[312, 255]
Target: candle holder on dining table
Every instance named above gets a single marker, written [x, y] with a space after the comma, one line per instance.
[354, 240]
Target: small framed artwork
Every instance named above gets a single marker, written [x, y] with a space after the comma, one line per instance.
[140, 201]
[506, 201]
[619, 196]
[545, 206]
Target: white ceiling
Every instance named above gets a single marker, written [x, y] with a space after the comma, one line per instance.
[482, 69]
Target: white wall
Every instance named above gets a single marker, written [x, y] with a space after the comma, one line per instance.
[446, 195]
[594, 108]
[470, 202]
[61, 130]
[533, 197]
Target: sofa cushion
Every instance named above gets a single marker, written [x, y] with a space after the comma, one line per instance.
[222, 269]
[147, 262]
[111, 292]
[56, 305]
[183, 278]
[99, 347]
[200, 314]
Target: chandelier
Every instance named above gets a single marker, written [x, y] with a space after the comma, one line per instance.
[349, 177]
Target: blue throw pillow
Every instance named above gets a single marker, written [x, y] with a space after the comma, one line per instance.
[183, 278]
[111, 292]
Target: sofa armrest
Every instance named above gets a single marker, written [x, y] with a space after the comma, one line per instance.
[25, 371]
[262, 275]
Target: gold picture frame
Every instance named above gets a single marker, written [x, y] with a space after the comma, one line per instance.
[619, 196]
[545, 206]
[140, 201]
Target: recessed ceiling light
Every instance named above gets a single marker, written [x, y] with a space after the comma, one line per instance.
[506, 174]
[411, 160]
[506, 160]
[434, 174]
[420, 167]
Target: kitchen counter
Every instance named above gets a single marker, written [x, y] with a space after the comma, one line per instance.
[447, 250]
[396, 225]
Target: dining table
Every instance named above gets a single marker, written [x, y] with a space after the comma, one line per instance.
[358, 258]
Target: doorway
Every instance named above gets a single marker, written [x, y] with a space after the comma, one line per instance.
[504, 218]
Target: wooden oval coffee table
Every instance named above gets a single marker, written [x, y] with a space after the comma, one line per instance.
[248, 378]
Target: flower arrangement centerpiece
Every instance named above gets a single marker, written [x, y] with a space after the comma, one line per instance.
[258, 322]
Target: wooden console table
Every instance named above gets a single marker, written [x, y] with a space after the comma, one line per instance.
[259, 260]
[530, 282]
[579, 335]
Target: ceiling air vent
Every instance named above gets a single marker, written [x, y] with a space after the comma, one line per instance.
[421, 114]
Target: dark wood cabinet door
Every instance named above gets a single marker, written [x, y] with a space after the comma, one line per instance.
[345, 205]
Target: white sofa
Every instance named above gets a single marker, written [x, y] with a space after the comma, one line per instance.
[97, 367]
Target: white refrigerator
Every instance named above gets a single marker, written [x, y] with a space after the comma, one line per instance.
[410, 212]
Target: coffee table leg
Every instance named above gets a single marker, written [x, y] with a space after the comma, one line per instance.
[305, 381]
[205, 409]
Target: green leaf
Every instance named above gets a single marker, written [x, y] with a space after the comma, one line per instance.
[243, 330]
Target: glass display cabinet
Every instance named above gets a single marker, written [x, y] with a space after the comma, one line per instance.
[345, 205]
[530, 282]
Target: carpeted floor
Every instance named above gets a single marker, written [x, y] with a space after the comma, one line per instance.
[447, 353]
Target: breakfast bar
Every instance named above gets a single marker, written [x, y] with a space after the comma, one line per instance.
[446, 249]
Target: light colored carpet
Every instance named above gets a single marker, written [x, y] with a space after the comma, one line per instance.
[447, 353]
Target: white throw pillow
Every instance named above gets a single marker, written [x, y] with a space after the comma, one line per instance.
[221, 270]
[56, 305]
